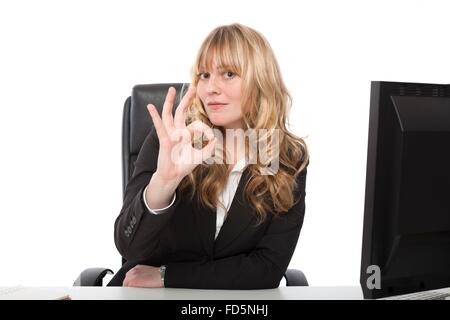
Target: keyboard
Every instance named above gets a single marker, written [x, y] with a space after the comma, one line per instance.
[423, 295]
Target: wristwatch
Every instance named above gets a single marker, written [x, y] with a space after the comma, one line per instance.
[162, 272]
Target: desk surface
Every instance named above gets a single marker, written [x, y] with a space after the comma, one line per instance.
[119, 293]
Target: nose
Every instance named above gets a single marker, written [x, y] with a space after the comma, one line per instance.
[213, 85]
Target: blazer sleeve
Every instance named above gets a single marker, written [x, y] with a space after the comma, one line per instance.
[262, 268]
[136, 231]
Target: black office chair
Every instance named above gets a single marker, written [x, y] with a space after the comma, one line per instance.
[136, 125]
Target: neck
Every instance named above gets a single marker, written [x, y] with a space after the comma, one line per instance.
[235, 151]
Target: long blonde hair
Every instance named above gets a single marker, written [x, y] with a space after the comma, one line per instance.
[265, 105]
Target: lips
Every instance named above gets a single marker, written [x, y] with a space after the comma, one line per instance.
[216, 105]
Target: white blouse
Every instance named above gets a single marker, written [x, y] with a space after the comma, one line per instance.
[226, 197]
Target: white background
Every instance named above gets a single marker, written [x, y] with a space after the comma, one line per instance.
[66, 68]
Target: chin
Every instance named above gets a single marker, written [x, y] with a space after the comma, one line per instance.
[218, 121]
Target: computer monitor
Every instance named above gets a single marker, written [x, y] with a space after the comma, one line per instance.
[406, 230]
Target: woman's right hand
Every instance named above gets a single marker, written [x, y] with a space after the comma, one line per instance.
[177, 157]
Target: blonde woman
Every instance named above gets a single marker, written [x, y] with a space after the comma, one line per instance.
[219, 212]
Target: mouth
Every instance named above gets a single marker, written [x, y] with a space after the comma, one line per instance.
[216, 105]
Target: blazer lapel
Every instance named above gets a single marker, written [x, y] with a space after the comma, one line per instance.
[239, 216]
[206, 221]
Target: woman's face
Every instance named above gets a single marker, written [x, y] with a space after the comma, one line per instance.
[220, 91]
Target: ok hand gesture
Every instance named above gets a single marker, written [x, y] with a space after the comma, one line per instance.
[177, 157]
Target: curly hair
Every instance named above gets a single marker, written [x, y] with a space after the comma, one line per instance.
[265, 105]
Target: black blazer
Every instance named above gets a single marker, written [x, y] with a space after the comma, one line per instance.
[244, 255]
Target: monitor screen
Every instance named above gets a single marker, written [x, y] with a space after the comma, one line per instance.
[406, 234]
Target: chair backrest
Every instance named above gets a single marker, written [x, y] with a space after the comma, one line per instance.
[137, 123]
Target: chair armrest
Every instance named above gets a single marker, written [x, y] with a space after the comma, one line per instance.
[92, 277]
[295, 278]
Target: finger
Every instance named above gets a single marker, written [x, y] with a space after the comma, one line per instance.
[157, 122]
[202, 128]
[180, 113]
[126, 281]
[128, 277]
[181, 135]
[167, 116]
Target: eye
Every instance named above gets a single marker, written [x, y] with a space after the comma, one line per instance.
[229, 75]
[203, 75]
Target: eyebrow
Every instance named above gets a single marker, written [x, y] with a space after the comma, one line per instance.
[221, 67]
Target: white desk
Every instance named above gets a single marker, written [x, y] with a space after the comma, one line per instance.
[119, 293]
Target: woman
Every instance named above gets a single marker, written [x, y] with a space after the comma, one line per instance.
[210, 213]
